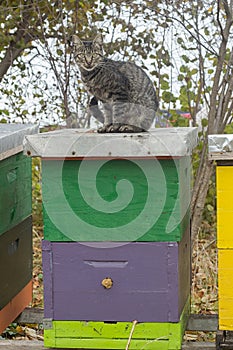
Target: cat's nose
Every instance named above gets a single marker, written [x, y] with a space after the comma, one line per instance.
[89, 62]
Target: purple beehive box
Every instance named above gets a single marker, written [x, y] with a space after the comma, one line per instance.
[150, 281]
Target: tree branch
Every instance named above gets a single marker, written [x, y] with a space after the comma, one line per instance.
[185, 24]
[213, 126]
[16, 46]
[218, 19]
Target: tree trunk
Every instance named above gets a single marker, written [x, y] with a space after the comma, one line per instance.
[199, 195]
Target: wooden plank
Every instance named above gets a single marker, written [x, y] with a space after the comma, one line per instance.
[31, 315]
[196, 322]
[221, 156]
[114, 344]
[15, 306]
[225, 162]
[204, 323]
[21, 345]
[38, 345]
[198, 346]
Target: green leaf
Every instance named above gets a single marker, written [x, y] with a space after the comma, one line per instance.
[194, 71]
[59, 52]
[210, 207]
[164, 85]
[204, 122]
[183, 69]
[185, 58]
[167, 96]
[180, 40]
[180, 77]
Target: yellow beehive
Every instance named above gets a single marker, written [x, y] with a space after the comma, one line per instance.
[225, 245]
[220, 149]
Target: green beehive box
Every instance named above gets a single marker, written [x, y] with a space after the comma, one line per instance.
[15, 175]
[101, 335]
[115, 187]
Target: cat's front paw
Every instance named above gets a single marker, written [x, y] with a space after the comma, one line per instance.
[130, 128]
[114, 127]
[104, 128]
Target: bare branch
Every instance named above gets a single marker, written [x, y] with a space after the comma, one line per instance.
[218, 19]
[213, 125]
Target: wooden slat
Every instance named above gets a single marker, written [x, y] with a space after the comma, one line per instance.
[38, 345]
[198, 346]
[21, 345]
[31, 315]
[34, 315]
[221, 156]
[205, 323]
[197, 322]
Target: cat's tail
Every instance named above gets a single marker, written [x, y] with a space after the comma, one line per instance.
[95, 111]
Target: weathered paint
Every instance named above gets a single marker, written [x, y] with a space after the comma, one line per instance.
[151, 280]
[101, 335]
[225, 289]
[15, 306]
[224, 206]
[15, 260]
[136, 200]
[15, 190]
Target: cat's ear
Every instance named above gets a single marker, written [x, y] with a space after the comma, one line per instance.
[76, 41]
[98, 40]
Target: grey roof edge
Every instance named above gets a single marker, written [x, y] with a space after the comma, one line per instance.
[12, 136]
[74, 143]
[220, 146]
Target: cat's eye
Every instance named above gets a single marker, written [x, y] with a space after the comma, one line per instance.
[95, 54]
[79, 55]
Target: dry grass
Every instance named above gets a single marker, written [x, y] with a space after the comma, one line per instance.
[37, 268]
[204, 282]
[204, 288]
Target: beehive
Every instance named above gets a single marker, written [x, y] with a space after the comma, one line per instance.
[105, 335]
[115, 187]
[15, 223]
[150, 281]
[116, 210]
[221, 150]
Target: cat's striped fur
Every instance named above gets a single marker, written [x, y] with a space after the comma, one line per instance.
[126, 92]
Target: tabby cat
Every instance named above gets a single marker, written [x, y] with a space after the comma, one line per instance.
[127, 94]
